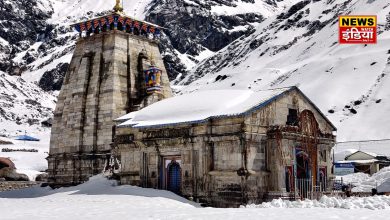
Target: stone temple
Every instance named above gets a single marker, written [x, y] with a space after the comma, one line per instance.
[225, 148]
[222, 148]
[116, 68]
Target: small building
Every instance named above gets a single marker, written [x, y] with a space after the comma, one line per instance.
[364, 162]
[228, 147]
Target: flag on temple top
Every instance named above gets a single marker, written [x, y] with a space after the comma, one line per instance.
[77, 26]
[110, 19]
[145, 27]
[95, 23]
[89, 25]
[151, 29]
[136, 24]
[128, 21]
[103, 21]
[82, 26]
[120, 19]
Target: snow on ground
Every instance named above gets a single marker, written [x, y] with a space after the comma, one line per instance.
[363, 182]
[29, 163]
[374, 181]
[355, 179]
[374, 202]
[102, 199]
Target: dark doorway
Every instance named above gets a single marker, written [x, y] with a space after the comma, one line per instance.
[174, 177]
[304, 180]
[303, 170]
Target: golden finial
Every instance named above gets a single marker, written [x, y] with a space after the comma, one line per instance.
[118, 7]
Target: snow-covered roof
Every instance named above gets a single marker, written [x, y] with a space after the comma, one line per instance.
[362, 153]
[200, 106]
[359, 161]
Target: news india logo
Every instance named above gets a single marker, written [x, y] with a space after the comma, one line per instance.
[357, 29]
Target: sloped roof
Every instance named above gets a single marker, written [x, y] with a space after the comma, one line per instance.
[373, 155]
[26, 138]
[201, 106]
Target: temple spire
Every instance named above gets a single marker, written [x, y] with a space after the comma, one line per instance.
[118, 7]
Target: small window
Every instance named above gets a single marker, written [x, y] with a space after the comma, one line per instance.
[292, 117]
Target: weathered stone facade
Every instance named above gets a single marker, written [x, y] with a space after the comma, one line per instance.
[229, 161]
[105, 80]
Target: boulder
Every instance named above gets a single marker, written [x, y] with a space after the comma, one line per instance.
[10, 174]
[42, 177]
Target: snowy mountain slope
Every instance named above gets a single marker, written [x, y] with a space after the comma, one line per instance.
[23, 105]
[36, 41]
[196, 29]
[247, 43]
[51, 43]
[350, 83]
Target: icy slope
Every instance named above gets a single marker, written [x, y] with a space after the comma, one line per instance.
[300, 47]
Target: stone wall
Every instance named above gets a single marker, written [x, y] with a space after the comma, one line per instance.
[211, 155]
[225, 162]
[14, 185]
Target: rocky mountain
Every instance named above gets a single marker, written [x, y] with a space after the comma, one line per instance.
[36, 41]
[212, 44]
[350, 83]
[24, 106]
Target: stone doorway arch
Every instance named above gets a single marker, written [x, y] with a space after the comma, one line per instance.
[174, 177]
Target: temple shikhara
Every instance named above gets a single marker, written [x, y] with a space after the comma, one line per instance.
[222, 148]
[116, 68]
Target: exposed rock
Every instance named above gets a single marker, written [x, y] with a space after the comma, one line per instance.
[42, 177]
[21, 23]
[47, 123]
[2, 142]
[192, 28]
[52, 79]
[10, 174]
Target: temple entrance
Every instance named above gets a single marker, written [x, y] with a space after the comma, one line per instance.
[174, 176]
[171, 174]
[303, 165]
[304, 180]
